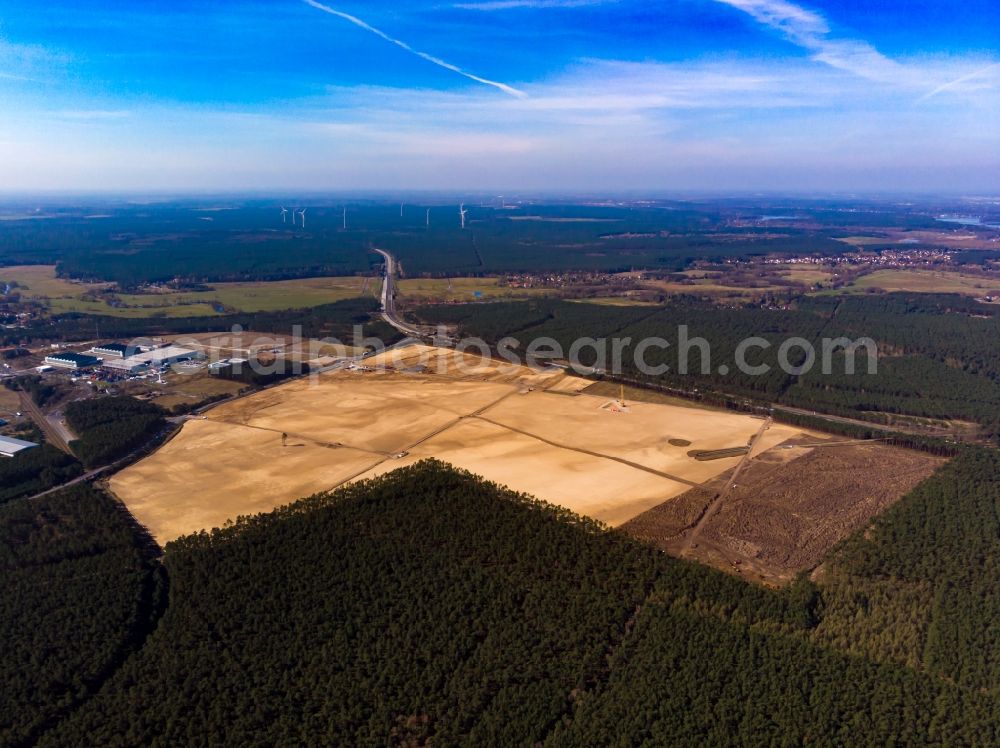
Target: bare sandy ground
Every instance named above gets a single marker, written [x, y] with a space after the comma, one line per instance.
[471, 366]
[641, 435]
[213, 471]
[600, 488]
[380, 412]
[526, 429]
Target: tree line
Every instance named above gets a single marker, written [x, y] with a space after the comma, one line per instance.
[937, 353]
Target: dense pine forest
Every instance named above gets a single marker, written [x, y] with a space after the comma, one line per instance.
[79, 594]
[428, 606]
[110, 427]
[35, 470]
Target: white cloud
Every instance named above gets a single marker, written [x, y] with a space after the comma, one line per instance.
[422, 55]
[601, 125]
[978, 80]
[812, 32]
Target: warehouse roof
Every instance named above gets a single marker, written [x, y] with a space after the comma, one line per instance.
[9, 446]
[79, 359]
[163, 354]
[118, 349]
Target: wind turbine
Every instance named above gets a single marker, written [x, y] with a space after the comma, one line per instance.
[284, 215]
[294, 211]
[461, 212]
[303, 214]
[428, 218]
[401, 210]
[345, 217]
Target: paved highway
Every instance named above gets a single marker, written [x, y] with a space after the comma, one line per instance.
[389, 301]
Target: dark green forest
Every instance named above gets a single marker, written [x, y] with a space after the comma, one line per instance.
[35, 470]
[428, 606]
[79, 594]
[133, 245]
[110, 427]
[338, 321]
[937, 355]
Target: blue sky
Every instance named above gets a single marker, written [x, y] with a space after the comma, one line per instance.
[583, 95]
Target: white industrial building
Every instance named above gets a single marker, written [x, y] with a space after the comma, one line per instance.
[71, 360]
[171, 354]
[10, 447]
[156, 358]
[124, 365]
[113, 350]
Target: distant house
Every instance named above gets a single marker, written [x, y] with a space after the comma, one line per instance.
[74, 361]
[10, 447]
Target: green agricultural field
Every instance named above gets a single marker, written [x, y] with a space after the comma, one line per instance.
[463, 289]
[269, 296]
[805, 274]
[927, 281]
[732, 283]
[60, 296]
[84, 306]
[40, 282]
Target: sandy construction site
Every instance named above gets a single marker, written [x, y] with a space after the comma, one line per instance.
[535, 431]
[788, 507]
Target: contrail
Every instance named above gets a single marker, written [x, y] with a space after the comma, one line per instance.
[958, 81]
[423, 55]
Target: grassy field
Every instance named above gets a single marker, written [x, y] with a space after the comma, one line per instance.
[10, 403]
[926, 281]
[182, 389]
[84, 306]
[265, 297]
[763, 279]
[39, 282]
[805, 274]
[462, 289]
